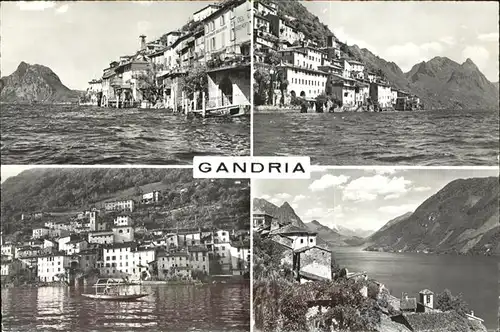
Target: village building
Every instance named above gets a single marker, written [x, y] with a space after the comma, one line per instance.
[108, 93]
[88, 259]
[261, 220]
[151, 197]
[52, 267]
[122, 220]
[206, 11]
[353, 69]
[120, 205]
[381, 95]
[227, 53]
[168, 39]
[94, 92]
[362, 91]
[265, 8]
[41, 232]
[127, 82]
[101, 237]
[344, 90]
[199, 259]
[173, 265]
[123, 234]
[240, 257]
[8, 250]
[10, 267]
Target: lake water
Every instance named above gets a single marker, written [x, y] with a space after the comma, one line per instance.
[216, 307]
[81, 135]
[397, 138]
[476, 277]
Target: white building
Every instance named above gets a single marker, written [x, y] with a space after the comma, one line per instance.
[52, 267]
[40, 232]
[101, 237]
[240, 258]
[126, 260]
[151, 197]
[8, 250]
[120, 205]
[10, 267]
[222, 249]
[122, 220]
[123, 234]
[205, 12]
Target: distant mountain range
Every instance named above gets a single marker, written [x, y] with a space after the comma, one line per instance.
[463, 217]
[35, 83]
[341, 236]
[440, 82]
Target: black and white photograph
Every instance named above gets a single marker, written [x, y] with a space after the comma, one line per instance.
[124, 82]
[377, 82]
[127, 249]
[377, 250]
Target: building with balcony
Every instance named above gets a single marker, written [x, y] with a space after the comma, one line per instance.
[52, 267]
[381, 95]
[121, 205]
[227, 53]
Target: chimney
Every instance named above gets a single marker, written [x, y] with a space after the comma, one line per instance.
[143, 41]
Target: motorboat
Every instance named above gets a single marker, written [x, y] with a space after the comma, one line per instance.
[113, 290]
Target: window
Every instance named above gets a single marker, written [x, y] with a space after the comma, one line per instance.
[301, 241]
[222, 20]
[311, 240]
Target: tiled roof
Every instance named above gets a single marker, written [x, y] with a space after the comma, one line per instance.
[436, 322]
[292, 229]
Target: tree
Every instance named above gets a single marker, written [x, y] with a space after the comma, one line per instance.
[196, 80]
[261, 83]
[446, 301]
[149, 85]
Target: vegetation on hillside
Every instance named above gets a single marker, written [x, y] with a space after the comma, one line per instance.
[187, 201]
[297, 16]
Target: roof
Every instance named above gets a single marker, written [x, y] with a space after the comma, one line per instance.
[436, 321]
[301, 250]
[292, 229]
[408, 304]
[197, 249]
[208, 6]
[241, 244]
[311, 276]
[262, 213]
[426, 291]
[119, 245]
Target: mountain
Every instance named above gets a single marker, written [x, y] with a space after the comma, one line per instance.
[285, 213]
[34, 83]
[443, 83]
[326, 233]
[187, 202]
[463, 217]
[348, 232]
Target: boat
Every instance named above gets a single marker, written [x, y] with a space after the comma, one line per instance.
[113, 290]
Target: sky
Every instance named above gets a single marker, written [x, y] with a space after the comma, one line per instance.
[409, 32]
[12, 170]
[360, 198]
[77, 40]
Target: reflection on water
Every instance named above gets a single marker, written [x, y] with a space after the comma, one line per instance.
[393, 138]
[473, 276]
[44, 134]
[214, 307]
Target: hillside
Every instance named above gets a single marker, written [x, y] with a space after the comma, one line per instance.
[463, 217]
[34, 83]
[295, 14]
[284, 213]
[327, 234]
[187, 202]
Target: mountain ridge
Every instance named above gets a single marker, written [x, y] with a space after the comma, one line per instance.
[461, 218]
[35, 83]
